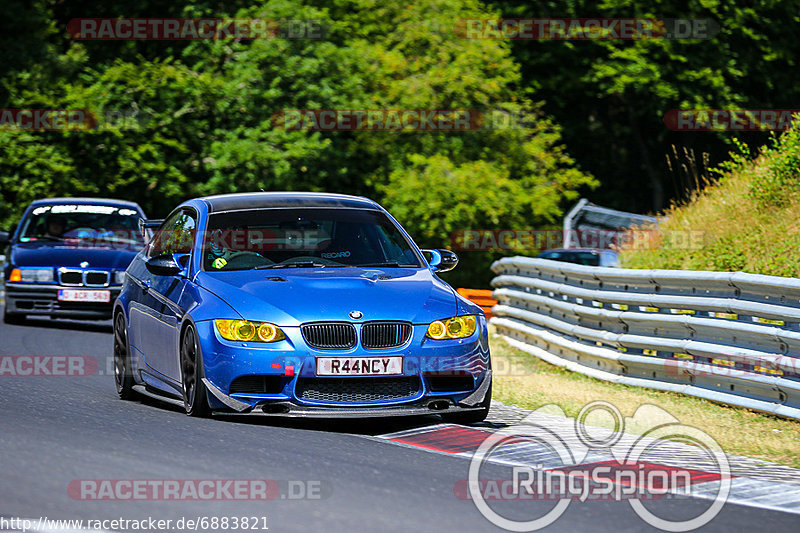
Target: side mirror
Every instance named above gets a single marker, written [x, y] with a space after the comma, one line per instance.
[163, 265]
[4, 238]
[441, 260]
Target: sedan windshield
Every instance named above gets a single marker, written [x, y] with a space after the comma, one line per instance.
[304, 238]
[99, 225]
[581, 258]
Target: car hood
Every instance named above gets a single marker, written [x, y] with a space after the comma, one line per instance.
[61, 255]
[290, 297]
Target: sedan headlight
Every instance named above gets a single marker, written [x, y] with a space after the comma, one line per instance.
[36, 275]
[119, 277]
[457, 327]
[246, 331]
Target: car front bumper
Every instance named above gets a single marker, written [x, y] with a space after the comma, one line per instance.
[440, 376]
[290, 409]
[32, 299]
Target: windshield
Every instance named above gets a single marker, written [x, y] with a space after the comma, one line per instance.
[92, 225]
[581, 258]
[295, 238]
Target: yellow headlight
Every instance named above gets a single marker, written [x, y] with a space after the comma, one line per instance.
[436, 330]
[269, 333]
[246, 331]
[471, 323]
[454, 327]
[243, 330]
[457, 327]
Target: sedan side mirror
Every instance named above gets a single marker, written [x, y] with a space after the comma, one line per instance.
[441, 260]
[4, 238]
[163, 265]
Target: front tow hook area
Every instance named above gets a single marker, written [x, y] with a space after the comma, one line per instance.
[439, 405]
[275, 408]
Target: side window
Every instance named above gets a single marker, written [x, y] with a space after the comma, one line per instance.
[175, 236]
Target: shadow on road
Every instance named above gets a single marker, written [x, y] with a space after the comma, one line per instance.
[73, 325]
[363, 426]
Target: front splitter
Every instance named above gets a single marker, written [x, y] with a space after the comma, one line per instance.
[291, 410]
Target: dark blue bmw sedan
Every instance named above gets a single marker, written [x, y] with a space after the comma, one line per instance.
[67, 257]
[298, 304]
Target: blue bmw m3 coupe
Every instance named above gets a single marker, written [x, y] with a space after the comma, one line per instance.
[298, 304]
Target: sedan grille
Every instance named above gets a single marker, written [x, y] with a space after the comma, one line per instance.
[385, 334]
[70, 277]
[357, 390]
[329, 335]
[96, 278]
[88, 278]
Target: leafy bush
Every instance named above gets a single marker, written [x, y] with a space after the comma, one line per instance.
[781, 180]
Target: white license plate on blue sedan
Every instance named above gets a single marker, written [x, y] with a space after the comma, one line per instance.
[82, 295]
[359, 366]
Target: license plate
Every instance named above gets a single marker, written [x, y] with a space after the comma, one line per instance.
[359, 366]
[81, 295]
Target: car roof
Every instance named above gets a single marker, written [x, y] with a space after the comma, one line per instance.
[86, 201]
[262, 200]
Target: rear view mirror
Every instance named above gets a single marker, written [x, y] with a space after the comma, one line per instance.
[448, 262]
[163, 265]
[441, 260]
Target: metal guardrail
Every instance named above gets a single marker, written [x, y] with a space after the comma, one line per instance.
[729, 337]
[2, 279]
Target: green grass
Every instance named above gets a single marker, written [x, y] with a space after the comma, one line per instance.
[525, 381]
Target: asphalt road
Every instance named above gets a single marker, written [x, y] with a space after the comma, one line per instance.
[55, 430]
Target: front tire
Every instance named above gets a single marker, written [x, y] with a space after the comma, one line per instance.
[195, 399]
[12, 319]
[123, 373]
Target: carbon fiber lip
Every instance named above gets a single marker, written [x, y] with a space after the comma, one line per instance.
[363, 412]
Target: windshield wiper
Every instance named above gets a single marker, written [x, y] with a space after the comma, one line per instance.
[296, 264]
